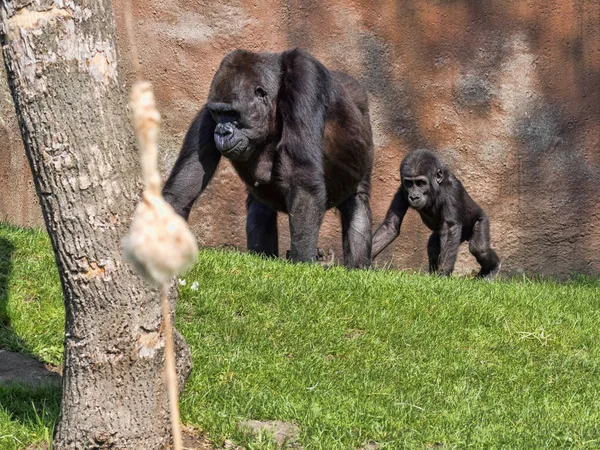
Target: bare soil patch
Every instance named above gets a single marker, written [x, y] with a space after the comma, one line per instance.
[22, 369]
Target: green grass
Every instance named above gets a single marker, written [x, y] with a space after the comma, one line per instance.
[31, 306]
[27, 415]
[31, 321]
[407, 361]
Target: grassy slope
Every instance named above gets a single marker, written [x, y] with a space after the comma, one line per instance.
[408, 361]
[31, 321]
[30, 295]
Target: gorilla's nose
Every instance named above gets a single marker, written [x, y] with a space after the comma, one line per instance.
[224, 130]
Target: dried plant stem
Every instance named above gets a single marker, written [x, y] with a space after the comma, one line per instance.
[171, 375]
[159, 244]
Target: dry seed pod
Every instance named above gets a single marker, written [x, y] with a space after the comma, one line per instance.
[159, 244]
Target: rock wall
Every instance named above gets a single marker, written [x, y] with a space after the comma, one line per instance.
[18, 202]
[507, 92]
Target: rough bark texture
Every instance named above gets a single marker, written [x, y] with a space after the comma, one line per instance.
[61, 59]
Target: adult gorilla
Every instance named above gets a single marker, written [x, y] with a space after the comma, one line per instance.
[299, 136]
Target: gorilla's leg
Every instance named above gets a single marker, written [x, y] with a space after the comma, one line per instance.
[449, 242]
[356, 231]
[261, 228]
[433, 252]
[480, 248]
[306, 209]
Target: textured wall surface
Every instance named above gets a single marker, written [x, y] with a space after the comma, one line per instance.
[18, 202]
[506, 91]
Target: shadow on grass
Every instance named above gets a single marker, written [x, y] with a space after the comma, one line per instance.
[27, 411]
[29, 414]
[8, 339]
[6, 251]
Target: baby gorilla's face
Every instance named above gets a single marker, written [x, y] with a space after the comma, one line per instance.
[417, 189]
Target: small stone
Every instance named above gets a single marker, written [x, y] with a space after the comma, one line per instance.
[283, 433]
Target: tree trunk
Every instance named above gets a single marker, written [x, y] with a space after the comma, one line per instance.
[61, 60]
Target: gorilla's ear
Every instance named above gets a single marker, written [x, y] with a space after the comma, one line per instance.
[439, 176]
[304, 93]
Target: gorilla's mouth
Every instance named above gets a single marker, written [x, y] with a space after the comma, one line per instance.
[236, 150]
[416, 204]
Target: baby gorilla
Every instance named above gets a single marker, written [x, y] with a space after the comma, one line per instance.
[446, 208]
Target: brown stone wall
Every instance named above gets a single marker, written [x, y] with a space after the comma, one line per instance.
[18, 202]
[506, 91]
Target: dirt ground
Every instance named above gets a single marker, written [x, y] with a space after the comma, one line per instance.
[21, 369]
[192, 440]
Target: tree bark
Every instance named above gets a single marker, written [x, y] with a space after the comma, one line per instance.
[61, 60]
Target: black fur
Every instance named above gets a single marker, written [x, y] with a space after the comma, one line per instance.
[299, 136]
[446, 208]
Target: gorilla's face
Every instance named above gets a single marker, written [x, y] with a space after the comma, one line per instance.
[421, 175]
[233, 131]
[417, 189]
[241, 101]
[422, 189]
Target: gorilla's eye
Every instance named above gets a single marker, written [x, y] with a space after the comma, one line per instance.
[260, 92]
[408, 183]
[420, 183]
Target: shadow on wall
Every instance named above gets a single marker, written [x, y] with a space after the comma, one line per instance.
[508, 94]
[553, 129]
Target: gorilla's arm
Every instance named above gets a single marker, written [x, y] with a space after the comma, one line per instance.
[195, 165]
[390, 228]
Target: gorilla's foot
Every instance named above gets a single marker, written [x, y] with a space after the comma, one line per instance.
[491, 275]
[326, 260]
